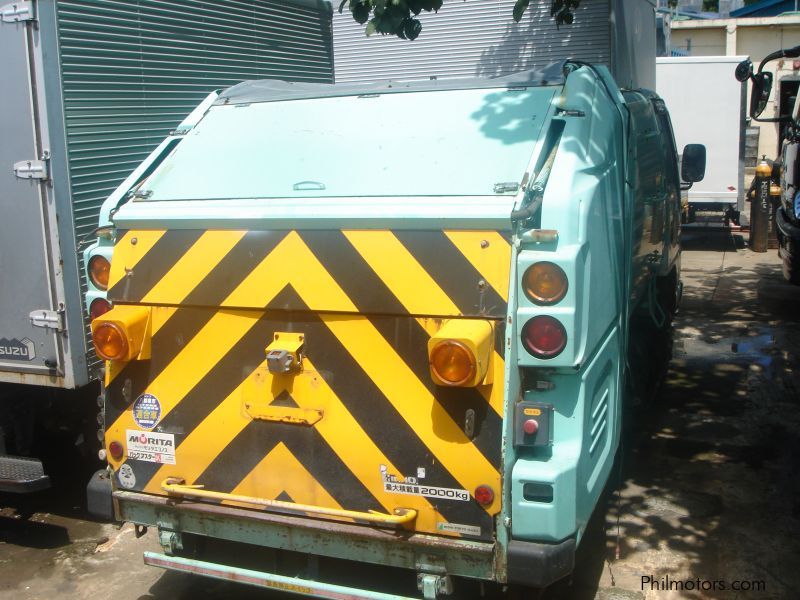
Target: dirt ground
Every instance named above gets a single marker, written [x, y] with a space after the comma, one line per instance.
[705, 498]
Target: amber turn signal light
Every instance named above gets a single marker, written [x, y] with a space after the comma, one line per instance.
[110, 341]
[123, 333]
[545, 283]
[460, 353]
[99, 268]
[452, 363]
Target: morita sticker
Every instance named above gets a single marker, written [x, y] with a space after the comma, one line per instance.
[411, 486]
[151, 446]
[146, 411]
[126, 477]
[459, 528]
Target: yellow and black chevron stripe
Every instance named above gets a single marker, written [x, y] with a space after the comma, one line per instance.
[367, 302]
[430, 273]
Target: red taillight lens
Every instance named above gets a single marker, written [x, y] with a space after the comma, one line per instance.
[99, 307]
[484, 495]
[116, 450]
[544, 337]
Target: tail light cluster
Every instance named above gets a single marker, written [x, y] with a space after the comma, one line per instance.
[98, 269]
[544, 284]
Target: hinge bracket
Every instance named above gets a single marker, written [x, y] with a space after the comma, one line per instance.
[17, 12]
[33, 169]
[49, 319]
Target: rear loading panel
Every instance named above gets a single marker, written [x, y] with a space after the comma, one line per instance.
[357, 423]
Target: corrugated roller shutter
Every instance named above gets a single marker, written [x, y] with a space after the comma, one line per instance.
[469, 38]
[133, 69]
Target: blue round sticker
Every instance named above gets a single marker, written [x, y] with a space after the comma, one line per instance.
[146, 411]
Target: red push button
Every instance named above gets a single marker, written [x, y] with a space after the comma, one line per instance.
[530, 426]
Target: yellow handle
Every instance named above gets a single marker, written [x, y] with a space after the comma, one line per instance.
[176, 487]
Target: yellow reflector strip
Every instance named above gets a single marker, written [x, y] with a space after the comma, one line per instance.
[193, 267]
[493, 261]
[127, 254]
[416, 290]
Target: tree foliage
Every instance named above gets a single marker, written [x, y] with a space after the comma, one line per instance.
[398, 17]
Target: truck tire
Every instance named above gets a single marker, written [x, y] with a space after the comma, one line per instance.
[791, 261]
[668, 292]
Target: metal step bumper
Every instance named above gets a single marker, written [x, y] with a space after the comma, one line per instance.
[292, 585]
[21, 475]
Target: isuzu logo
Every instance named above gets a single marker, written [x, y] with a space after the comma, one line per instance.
[14, 349]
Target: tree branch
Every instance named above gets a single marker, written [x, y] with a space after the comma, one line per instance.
[398, 17]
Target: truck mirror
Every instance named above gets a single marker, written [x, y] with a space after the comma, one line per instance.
[762, 87]
[792, 52]
[693, 165]
[744, 70]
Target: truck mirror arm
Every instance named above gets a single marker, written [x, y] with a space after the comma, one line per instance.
[743, 76]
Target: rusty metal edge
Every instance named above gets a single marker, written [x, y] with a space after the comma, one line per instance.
[391, 547]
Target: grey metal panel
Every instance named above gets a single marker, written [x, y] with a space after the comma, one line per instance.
[634, 48]
[25, 284]
[478, 37]
[131, 70]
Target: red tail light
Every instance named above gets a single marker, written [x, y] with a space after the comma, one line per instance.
[484, 495]
[116, 450]
[99, 307]
[544, 337]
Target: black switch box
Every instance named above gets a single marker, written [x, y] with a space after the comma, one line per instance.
[543, 415]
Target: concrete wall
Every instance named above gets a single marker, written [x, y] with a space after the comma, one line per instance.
[753, 37]
[699, 42]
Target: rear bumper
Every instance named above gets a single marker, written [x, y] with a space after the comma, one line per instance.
[360, 543]
[529, 563]
[538, 565]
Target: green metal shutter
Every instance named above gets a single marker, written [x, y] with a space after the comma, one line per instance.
[133, 69]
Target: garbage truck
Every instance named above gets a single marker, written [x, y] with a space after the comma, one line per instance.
[381, 335]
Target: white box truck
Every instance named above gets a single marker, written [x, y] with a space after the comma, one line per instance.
[707, 105]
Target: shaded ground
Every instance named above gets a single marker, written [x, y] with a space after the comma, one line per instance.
[709, 480]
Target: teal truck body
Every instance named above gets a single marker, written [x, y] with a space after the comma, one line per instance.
[533, 217]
